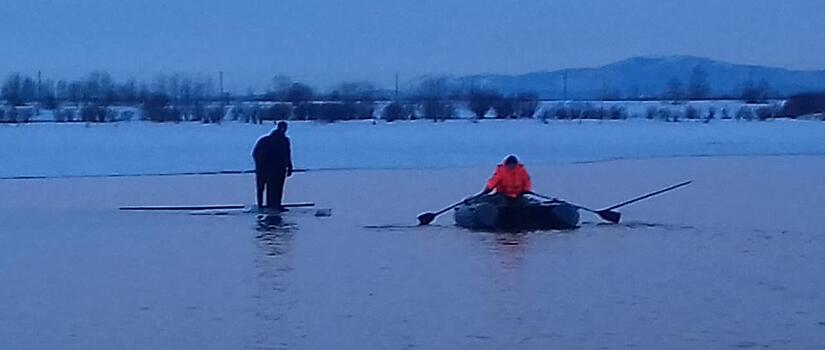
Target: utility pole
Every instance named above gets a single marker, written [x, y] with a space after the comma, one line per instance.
[39, 84]
[565, 86]
[396, 86]
[223, 97]
[220, 84]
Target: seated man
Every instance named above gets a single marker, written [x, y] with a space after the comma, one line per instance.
[510, 182]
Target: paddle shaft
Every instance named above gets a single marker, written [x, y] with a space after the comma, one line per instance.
[651, 194]
[617, 206]
[554, 199]
[442, 211]
[427, 218]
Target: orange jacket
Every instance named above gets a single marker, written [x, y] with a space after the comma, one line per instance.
[510, 183]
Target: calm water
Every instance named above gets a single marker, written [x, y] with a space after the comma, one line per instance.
[84, 276]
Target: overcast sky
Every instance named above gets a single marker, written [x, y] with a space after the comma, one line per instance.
[325, 41]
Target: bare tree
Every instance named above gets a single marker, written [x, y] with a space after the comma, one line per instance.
[160, 85]
[691, 113]
[280, 85]
[745, 113]
[527, 104]
[173, 86]
[278, 111]
[99, 87]
[128, 91]
[203, 88]
[298, 93]
[156, 108]
[353, 91]
[394, 111]
[480, 102]
[610, 93]
[755, 93]
[61, 90]
[11, 90]
[675, 91]
[17, 89]
[505, 107]
[47, 98]
[76, 92]
[433, 95]
[359, 97]
[698, 85]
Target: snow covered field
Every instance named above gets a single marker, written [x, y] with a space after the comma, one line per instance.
[138, 148]
[732, 261]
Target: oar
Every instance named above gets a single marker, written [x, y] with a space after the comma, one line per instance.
[613, 216]
[427, 218]
[651, 194]
[606, 214]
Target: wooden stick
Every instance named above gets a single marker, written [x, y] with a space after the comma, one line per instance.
[205, 207]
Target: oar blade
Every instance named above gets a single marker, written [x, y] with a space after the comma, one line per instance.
[610, 216]
[426, 219]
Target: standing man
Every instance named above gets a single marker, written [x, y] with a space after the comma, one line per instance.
[273, 164]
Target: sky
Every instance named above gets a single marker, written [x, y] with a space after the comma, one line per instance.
[323, 42]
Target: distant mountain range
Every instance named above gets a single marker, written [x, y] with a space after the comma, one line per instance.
[647, 77]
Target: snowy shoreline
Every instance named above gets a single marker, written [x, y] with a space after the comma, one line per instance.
[143, 148]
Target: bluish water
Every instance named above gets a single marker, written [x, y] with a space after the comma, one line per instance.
[78, 274]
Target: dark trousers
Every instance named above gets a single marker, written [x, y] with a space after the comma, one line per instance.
[273, 185]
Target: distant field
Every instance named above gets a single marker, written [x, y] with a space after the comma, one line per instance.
[142, 147]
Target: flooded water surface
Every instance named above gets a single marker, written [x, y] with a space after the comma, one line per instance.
[76, 273]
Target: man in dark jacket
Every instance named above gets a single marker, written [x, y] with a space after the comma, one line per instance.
[273, 164]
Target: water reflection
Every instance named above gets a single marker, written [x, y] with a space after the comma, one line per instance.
[274, 238]
[274, 234]
[510, 249]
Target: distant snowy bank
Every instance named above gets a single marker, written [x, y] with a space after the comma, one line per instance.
[140, 148]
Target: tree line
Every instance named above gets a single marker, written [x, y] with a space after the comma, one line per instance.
[698, 88]
[99, 87]
[186, 97]
[183, 97]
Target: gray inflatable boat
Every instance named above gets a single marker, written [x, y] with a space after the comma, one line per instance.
[494, 213]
